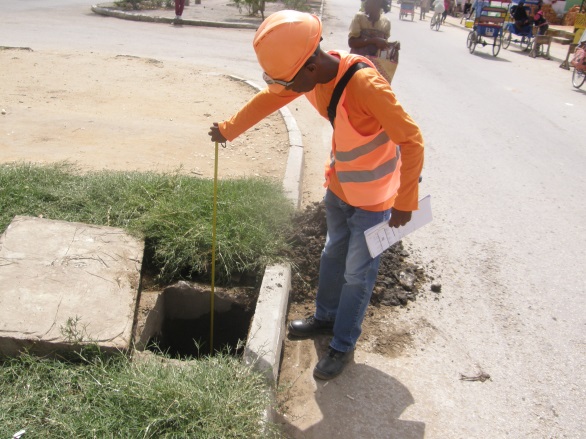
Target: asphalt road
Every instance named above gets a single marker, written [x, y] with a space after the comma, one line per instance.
[505, 159]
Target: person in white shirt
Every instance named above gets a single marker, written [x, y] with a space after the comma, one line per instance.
[438, 10]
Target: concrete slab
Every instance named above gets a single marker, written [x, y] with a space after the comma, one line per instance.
[57, 276]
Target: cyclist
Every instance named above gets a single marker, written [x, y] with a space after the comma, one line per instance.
[438, 10]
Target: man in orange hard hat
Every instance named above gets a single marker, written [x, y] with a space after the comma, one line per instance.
[369, 178]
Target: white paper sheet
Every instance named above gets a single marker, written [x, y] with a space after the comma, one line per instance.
[381, 237]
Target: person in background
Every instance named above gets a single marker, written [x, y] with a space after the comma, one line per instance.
[423, 8]
[370, 29]
[368, 178]
[179, 6]
[467, 7]
[438, 10]
[539, 20]
[446, 9]
[520, 16]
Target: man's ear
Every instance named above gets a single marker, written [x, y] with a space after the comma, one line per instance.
[311, 67]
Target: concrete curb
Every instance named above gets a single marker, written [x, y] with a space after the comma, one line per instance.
[109, 12]
[267, 330]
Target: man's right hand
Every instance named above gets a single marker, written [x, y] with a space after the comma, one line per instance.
[381, 43]
[215, 134]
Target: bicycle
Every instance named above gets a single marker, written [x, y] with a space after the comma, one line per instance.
[436, 21]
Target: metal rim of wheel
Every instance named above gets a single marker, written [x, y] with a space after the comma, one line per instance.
[506, 39]
[496, 47]
[431, 23]
[438, 23]
[472, 41]
[578, 78]
[525, 43]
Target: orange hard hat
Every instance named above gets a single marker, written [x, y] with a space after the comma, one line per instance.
[284, 41]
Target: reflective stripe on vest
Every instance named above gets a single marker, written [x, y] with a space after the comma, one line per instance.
[346, 156]
[365, 176]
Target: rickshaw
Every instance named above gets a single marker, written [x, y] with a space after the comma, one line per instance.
[487, 29]
[524, 36]
[407, 8]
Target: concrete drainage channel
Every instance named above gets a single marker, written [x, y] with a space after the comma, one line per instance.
[177, 322]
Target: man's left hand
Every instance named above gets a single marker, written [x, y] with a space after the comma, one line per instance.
[399, 218]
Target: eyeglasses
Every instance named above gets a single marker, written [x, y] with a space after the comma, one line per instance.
[270, 80]
[287, 84]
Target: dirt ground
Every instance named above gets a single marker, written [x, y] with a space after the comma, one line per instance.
[127, 113]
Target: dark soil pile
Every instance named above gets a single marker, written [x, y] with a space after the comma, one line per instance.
[399, 281]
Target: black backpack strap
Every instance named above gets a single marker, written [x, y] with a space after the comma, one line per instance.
[340, 86]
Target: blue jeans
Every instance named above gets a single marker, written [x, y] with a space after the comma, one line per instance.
[347, 273]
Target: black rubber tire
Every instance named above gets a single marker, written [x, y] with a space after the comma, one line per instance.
[506, 39]
[496, 47]
[471, 41]
[578, 78]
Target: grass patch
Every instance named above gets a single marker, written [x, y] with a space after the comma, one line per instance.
[99, 397]
[173, 212]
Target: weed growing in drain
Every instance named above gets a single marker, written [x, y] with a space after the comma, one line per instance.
[173, 212]
[101, 396]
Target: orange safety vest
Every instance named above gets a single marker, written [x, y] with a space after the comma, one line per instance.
[367, 166]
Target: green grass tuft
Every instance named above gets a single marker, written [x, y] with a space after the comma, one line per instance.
[172, 212]
[214, 397]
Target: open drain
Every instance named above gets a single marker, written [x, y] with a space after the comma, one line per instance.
[179, 322]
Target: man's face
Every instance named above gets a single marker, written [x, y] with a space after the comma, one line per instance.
[373, 6]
